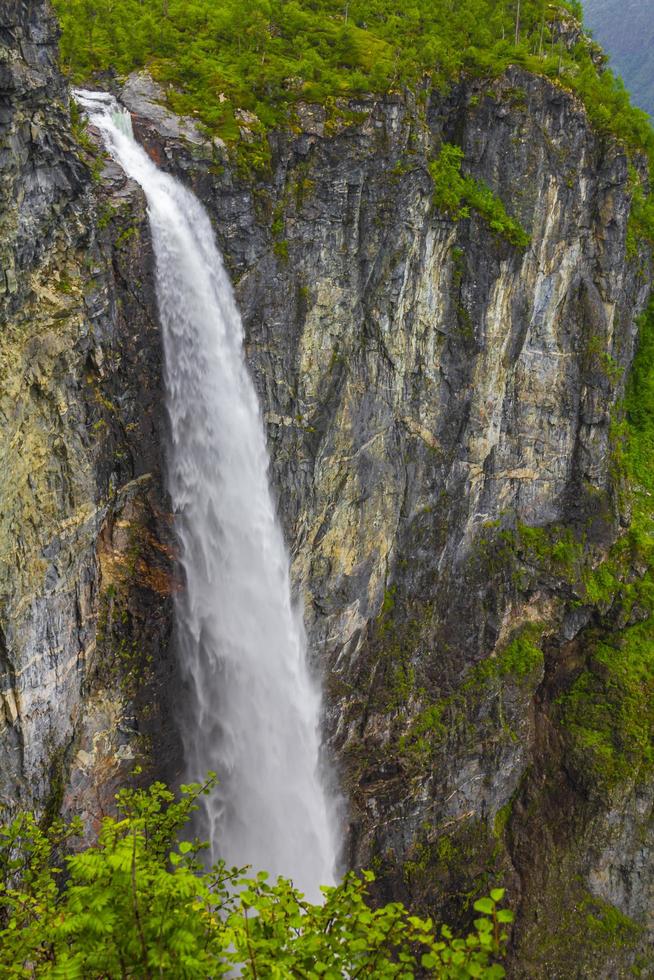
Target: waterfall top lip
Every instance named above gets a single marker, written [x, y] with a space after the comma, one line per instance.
[97, 100]
[94, 95]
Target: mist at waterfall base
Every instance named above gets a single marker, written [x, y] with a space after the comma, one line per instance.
[252, 709]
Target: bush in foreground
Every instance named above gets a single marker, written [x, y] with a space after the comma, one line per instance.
[140, 903]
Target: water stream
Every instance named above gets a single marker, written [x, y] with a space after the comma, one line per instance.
[252, 708]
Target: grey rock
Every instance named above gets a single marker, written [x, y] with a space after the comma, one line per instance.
[145, 97]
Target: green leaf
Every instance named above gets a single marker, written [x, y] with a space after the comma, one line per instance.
[195, 923]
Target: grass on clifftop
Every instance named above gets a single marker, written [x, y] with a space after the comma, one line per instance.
[222, 56]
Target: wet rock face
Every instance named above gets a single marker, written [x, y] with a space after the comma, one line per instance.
[80, 444]
[439, 405]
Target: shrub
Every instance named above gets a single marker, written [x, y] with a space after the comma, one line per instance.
[140, 903]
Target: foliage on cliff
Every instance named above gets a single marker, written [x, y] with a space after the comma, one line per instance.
[456, 194]
[140, 904]
[264, 55]
[609, 710]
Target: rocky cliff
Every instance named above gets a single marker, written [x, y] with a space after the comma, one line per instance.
[443, 417]
[85, 540]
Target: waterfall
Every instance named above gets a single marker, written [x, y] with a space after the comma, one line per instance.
[252, 709]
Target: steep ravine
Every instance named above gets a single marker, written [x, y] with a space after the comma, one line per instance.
[439, 411]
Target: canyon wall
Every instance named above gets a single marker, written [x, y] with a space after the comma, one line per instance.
[85, 537]
[442, 408]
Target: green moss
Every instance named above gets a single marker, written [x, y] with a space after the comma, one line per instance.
[402, 167]
[302, 185]
[278, 223]
[519, 662]
[451, 869]
[252, 158]
[600, 360]
[502, 818]
[517, 97]
[388, 605]
[607, 712]
[106, 214]
[519, 659]
[57, 780]
[280, 249]
[427, 731]
[402, 685]
[640, 229]
[565, 923]
[529, 556]
[126, 236]
[607, 926]
[394, 644]
[65, 285]
[555, 547]
[457, 195]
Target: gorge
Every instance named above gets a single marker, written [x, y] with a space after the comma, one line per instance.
[444, 412]
[241, 644]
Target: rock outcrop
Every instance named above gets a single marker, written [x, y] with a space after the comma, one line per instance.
[439, 405]
[80, 448]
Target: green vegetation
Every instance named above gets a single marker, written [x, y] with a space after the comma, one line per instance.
[641, 217]
[553, 548]
[607, 927]
[454, 864]
[565, 923]
[140, 904]
[263, 56]
[457, 194]
[233, 64]
[608, 711]
[520, 661]
[530, 554]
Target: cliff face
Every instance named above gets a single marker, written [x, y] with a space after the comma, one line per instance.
[439, 407]
[80, 465]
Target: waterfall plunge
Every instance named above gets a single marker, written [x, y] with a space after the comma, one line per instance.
[253, 711]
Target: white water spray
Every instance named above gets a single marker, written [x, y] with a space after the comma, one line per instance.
[254, 709]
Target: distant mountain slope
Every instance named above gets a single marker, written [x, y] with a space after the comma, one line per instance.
[625, 28]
